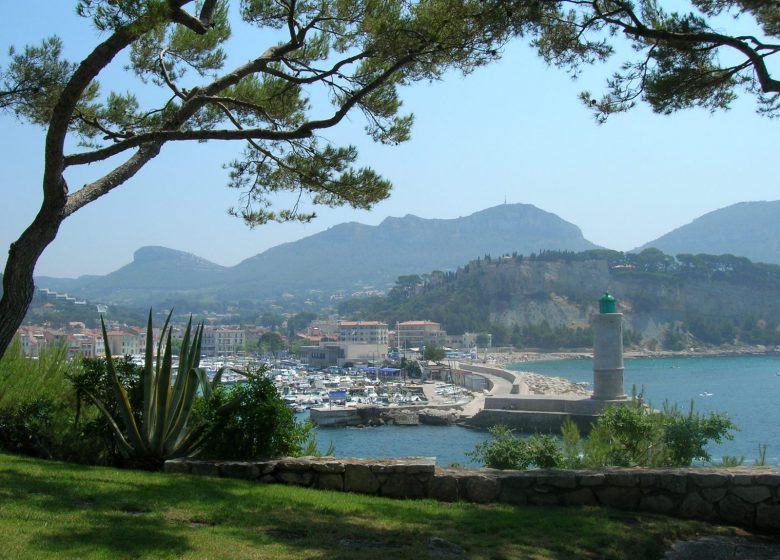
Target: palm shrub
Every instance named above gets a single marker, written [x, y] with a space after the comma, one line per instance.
[162, 428]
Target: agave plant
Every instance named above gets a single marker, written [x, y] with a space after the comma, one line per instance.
[163, 429]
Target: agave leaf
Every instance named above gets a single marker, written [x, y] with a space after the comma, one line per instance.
[125, 448]
[218, 376]
[160, 343]
[162, 399]
[183, 410]
[125, 408]
[148, 378]
[203, 376]
[182, 377]
[196, 346]
[187, 442]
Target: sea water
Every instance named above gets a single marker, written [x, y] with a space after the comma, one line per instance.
[746, 388]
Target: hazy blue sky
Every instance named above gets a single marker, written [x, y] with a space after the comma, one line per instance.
[512, 131]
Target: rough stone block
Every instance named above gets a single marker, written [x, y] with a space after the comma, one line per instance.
[618, 498]
[407, 465]
[443, 488]
[657, 504]
[712, 495]
[648, 479]
[265, 467]
[622, 479]
[768, 516]
[205, 468]
[177, 466]
[239, 469]
[696, 507]
[400, 485]
[752, 494]
[328, 467]
[581, 497]
[297, 478]
[677, 483]
[294, 465]
[517, 496]
[481, 489]
[330, 481]
[517, 480]
[735, 510]
[359, 478]
[742, 479]
[769, 479]
[267, 479]
[594, 479]
[543, 498]
[558, 480]
[710, 480]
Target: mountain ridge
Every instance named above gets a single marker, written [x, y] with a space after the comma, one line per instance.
[352, 256]
[345, 256]
[748, 229]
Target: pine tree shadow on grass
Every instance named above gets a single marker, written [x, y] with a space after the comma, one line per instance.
[110, 513]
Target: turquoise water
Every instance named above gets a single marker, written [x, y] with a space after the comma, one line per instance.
[746, 388]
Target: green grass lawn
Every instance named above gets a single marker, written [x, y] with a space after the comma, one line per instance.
[58, 510]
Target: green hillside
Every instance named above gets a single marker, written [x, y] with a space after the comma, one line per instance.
[546, 300]
[747, 229]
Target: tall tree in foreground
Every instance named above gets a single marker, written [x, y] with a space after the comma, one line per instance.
[325, 59]
[683, 58]
[321, 60]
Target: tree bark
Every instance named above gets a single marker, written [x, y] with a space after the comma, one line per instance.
[18, 285]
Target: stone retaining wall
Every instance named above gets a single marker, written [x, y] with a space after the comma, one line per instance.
[745, 497]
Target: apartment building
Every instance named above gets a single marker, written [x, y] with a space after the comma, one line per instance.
[363, 332]
[413, 334]
[219, 341]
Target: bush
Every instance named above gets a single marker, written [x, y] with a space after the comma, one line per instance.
[260, 426]
[506, 451]
[92, 377]
[27, 428]
[686, 435]
[632, 435]
[40, 412]
[24, 380]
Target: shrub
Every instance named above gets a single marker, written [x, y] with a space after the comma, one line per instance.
[27, 428]
[261, 425]
[161, 427]
[24, 380]
[506, 451]
[92, 377]
[37, 405]
[685, 436]
[632, 435]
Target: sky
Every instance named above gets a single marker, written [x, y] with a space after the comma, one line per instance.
[513, 131]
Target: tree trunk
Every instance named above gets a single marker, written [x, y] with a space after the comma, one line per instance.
[18, 286]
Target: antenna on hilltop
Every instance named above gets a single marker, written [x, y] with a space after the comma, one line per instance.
[504, 199]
